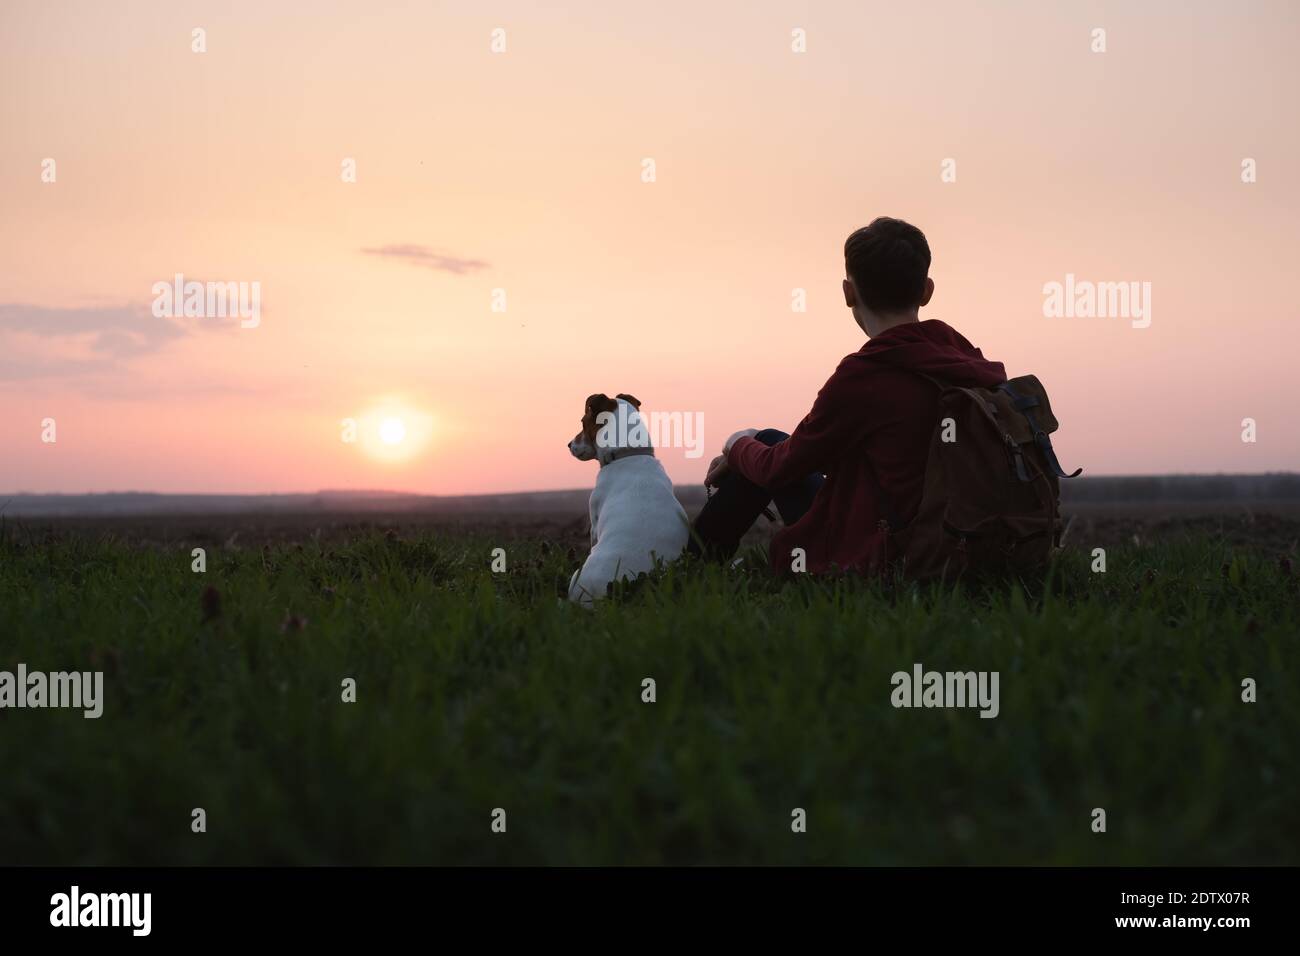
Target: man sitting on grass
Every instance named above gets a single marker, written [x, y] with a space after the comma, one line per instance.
[858, 457]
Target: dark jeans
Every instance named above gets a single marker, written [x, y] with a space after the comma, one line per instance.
[737, 502]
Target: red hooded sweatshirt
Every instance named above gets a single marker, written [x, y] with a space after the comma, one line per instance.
[873, 409]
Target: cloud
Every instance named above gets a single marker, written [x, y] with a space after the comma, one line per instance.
[26, 368]
[113, 331]
[426, 258]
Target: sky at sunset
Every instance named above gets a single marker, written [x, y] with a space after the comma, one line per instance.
[995, 127]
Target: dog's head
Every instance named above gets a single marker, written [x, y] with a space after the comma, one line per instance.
[609, 425]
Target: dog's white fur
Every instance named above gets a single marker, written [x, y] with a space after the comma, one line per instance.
[635, 517]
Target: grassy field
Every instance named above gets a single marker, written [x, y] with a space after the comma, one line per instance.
[477, 690]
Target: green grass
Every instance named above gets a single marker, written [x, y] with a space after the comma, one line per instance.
[475, 691]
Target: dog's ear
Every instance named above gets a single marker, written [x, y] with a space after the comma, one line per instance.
[635, 403]
[600, 402]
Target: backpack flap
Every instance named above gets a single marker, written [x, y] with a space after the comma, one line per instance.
[1024, 412]
[1017, 402]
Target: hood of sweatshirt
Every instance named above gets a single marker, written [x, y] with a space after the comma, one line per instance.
[934, 348]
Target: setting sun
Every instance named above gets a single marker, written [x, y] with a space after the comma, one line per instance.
[392, 431]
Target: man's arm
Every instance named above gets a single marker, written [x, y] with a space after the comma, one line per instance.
[835, 422]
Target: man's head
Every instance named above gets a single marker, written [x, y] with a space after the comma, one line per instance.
[887, 265]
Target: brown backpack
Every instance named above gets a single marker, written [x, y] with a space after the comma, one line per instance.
[991, 498]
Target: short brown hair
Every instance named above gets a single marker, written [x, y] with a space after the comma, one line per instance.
[888, 262]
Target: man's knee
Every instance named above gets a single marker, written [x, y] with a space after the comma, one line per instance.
[771, 436]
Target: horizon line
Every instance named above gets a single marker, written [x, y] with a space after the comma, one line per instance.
[361, 492]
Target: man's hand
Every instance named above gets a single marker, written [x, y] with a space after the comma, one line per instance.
[718, 469]
[743, 433]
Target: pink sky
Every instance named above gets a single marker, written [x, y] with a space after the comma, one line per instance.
[523, 169]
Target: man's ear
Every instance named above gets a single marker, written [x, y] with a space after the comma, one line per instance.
[929, 291]
[850, 297]
[630, 400]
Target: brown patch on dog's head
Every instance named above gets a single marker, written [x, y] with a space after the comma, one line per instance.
[635, 403]
[600, 402]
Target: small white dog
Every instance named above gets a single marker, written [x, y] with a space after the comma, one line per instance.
[635, 518]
